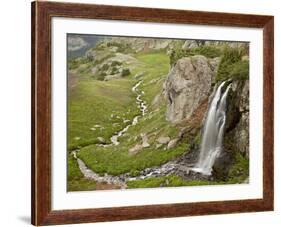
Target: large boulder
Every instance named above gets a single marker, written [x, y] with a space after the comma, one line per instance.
[187, 86]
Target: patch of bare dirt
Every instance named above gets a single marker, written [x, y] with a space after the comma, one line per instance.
[105, 186]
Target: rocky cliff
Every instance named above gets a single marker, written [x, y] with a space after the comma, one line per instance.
[140, 44]
[189, 84]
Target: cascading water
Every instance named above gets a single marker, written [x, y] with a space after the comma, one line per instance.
[212, 139]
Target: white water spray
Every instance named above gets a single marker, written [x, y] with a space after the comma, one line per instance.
[212, 139]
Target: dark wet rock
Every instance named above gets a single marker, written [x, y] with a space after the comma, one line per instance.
[222, 166]
[192, 175]
[237, 119]
[188, 158]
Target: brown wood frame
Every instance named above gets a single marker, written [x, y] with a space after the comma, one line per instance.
[42, 12]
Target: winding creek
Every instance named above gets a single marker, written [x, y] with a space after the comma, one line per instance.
[170, 167]
[121, 180]
[141, 105]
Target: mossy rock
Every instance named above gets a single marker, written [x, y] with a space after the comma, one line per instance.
[239, 171]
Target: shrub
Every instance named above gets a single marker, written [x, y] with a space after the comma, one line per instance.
[105, 67]
[121, 47]
[113, 70]
[240, 70]
[231, 65]
[207, 51]
[75, 63]
[116, 63]
[101, 76]
[125, 72]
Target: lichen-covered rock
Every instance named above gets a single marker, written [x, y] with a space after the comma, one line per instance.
[144, 138]
[101, 140]
[187, 86]
[172, 143]
[163, 140]
[135, 149]
[188, 44]
[214, 63]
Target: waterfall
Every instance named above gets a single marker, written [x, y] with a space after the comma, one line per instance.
[211, 144]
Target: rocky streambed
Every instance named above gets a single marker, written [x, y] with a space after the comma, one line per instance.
[181, 166]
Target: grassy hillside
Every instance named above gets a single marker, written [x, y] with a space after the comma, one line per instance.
[93, 102]
[97, 109]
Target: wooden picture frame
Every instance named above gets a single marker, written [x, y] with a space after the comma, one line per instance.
[42, 13]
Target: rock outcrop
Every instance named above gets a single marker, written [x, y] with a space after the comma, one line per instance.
[142, 44]
[187, 86]
[237, 125]
[163, 140]
[189, 44]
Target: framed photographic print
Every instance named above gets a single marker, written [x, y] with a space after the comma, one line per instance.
[146, 113]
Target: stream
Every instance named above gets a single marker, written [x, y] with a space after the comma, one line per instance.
[177, 166]
[141, 105]
[121, 180]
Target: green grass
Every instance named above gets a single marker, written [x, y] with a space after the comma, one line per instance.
[92, 103]
[240, 170]
[167, 181]
[116, 160]
[156, 67]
